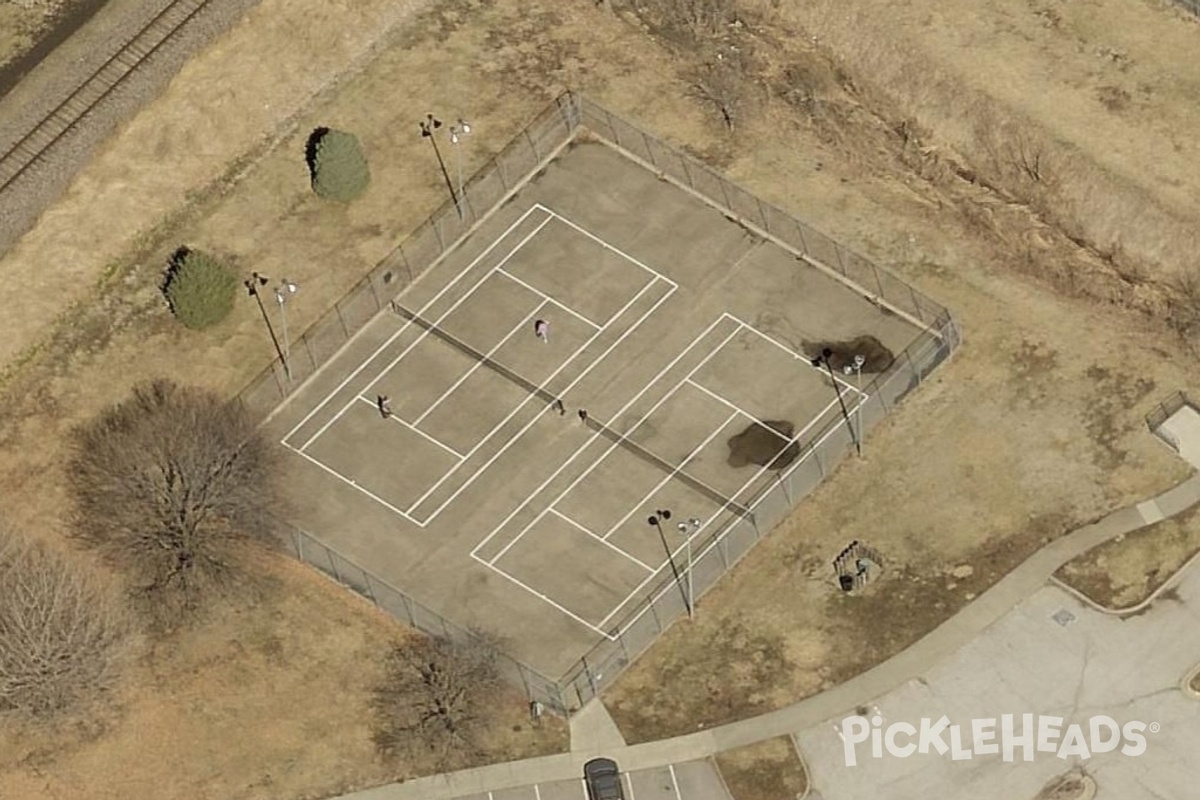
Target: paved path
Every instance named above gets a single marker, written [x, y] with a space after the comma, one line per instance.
[592, 731]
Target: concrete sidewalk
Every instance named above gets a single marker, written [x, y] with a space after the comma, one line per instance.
[593, 732]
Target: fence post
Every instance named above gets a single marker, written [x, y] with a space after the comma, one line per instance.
[762, 214]
[337, 308]
[649, 150]
[800, 236]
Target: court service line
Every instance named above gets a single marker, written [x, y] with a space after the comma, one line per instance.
[395, 335]
[729, 404]
[546, 297]
[604, 243]
[599, 539]
[478, 364]
[566, 389]
[716, 541]
[487, 437]
[595, 435]
[416, 430]
[820, 415]
[348, 481]
[691, 454]
[794, 354]
[425, 333]
[536, 593]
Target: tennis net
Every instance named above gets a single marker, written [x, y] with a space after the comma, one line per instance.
[549, 398]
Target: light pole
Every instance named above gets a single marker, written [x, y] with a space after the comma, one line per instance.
[856, 368]
[689, 529]
[282, 292]
[253, 284]
[837, 389]
[457, 132]
[657, 520]
[428, 126]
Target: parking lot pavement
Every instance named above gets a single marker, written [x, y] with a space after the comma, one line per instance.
[692, 780]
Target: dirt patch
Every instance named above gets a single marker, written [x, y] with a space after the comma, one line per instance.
[843, 356]
[1127, 570]
[768, 770]
[759, 444]
[1072, 786]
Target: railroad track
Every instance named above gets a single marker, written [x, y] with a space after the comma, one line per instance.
[34, 145]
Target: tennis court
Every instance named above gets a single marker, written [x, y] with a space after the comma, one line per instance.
[445, 449]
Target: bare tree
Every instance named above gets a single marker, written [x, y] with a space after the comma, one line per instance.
[64, 633]
[433, 696]
[722, 83]
[172, 485]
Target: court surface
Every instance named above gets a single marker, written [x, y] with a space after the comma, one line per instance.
[445, 449]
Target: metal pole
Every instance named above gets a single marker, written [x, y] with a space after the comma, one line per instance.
[252, 285]
[688, 529]
[824, 358]
[287, 346]
[657, 523]
[691, 586]
[285, 289]
[428, 126]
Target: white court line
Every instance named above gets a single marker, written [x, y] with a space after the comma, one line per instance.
[691, 454]
[599, 539]
[720, 536]
[603, 243]
[536, 593]
[425, 333]
[537, 793]
[820, 414]
[629, 783]
[478, 364]
[566, 389]
[414, 429]
[546, 297]
[349, 482]
[729, 404]
[795, 355]
[595, 435]
[393, 337]
[674, 782]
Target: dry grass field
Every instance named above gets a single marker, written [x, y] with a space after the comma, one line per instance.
[769, 770]
[1124, 572]
[1034, 427]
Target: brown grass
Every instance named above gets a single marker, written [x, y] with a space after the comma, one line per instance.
[1111, 201]
[267, 701]
[1124, 572]
[769, 770]
[1048, 392]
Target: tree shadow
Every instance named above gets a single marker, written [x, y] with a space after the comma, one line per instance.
[310, 150]
[174, 263]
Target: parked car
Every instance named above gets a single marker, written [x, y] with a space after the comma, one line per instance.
[603, 779]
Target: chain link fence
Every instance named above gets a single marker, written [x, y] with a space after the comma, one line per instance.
[719, 552]
[569, 116]
[423, 249]
[309, 549]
